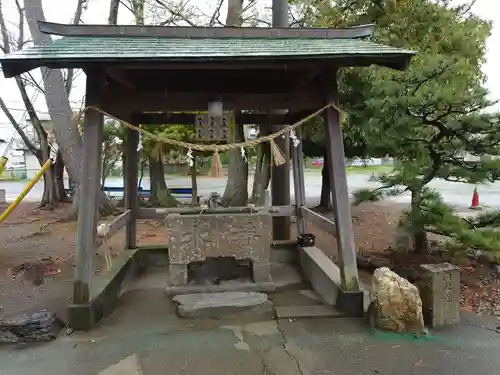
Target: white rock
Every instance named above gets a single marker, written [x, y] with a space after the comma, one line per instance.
[397, 302]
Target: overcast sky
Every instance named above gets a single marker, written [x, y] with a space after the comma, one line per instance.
[97, 12]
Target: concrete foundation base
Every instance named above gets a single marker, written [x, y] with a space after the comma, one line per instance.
[106, 289]
[351, 303]
[324, 276]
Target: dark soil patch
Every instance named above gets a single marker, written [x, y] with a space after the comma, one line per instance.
[39, 242]
[375, 233]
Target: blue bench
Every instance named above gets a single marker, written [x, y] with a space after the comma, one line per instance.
[186, 193]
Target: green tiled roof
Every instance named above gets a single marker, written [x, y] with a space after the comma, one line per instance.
[85, 47]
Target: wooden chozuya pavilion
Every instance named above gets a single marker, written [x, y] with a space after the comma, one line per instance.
[133, 71]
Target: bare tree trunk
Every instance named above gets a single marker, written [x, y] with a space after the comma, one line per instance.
[263, 169]
[113, 12]
[420, 240]
[138, 11]
[50, 198]
[194, 183]
[234, 13]
[141, 171]
[59, 177]
[68, 84]
[107, 164]
[103, 177]
[325, 201]
[262, 175]
[65, 126]
[157, 180]
[236, 192]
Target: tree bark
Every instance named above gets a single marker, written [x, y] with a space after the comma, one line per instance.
[65, 126]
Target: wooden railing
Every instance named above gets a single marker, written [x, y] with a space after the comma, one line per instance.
[319, 221]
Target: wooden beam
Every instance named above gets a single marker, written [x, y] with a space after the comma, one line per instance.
[307, 79]
[160, 213]
[338, 180]
[219, 83]
[280, 184]
[398, 60]
[88, 198]
[12, 66]
[299, 187]
[131, 157]
[121, 77]
[257, 64]
[241, 118]
[319, 221]
[116, 101]
[118, 222]
[204, 32]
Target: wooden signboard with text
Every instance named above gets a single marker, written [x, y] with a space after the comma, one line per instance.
[210, 128]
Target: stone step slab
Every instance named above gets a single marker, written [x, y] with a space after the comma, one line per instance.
[224, 305]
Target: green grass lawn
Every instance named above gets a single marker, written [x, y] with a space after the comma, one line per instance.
[369, 169]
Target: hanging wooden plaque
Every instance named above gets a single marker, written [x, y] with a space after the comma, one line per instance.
[210, 128]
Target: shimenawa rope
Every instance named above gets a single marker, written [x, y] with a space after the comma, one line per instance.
[278, 157]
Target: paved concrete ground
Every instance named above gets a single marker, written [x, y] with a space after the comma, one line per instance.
[458, 195]
[145, 337]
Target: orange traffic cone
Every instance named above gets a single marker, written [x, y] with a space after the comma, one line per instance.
[475, 200]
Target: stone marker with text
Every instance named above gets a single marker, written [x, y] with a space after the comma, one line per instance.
[440, 293]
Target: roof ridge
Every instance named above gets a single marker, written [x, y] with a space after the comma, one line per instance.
[206, 32]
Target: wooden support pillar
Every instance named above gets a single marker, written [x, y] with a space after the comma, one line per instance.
[299, 182]
[131, 175]
[280, 188]
[280, 175]
[341, 203]
[88, 213]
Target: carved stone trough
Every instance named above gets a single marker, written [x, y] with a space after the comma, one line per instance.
[227, 243]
